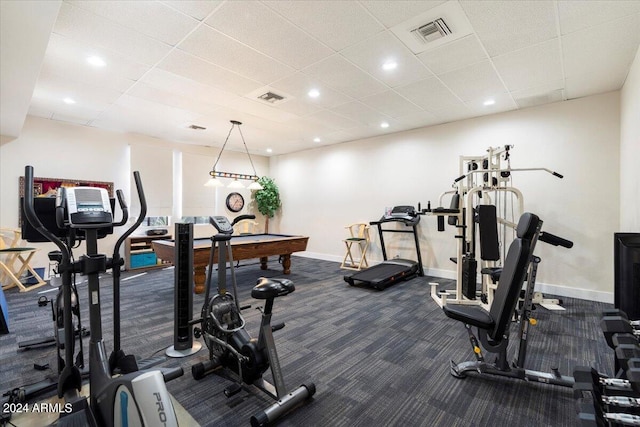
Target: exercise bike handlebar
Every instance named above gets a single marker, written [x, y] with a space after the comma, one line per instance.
[33, 219]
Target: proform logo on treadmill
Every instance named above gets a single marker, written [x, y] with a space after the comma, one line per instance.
[162, 415]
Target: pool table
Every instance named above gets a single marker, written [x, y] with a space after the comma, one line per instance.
[243, 247]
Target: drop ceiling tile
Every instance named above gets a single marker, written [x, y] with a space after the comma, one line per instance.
[419, 119]
[196, 9]
[591, 84]
[605, 50]
[391, 104]
[171, 99]
[372, 53]
[457, 54]
[153, 19]
[131, 114]
[55, 88]
[259, 27]
[300, 107]
[179, 85]
[505, 26]
[429, 94]
[452, 113]
[342, 75]
[502, 102]
[55, 110]
[221, 50]
[261, 110]
[579, 14]
[475, 81]
[201, 71]
[67, 58]
[531, 66]
[299, 85]
[333, 120]
[391, 13]
[361, 113]
[546, 94]
[82, 25]
[337, 24]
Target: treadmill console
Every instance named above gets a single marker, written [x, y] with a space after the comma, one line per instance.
[403, 211]
[222, 224]
[405, 214]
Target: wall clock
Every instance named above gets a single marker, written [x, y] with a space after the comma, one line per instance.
[235, 202]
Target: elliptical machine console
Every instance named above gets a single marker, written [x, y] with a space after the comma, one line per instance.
[229, 344]
[137, 398]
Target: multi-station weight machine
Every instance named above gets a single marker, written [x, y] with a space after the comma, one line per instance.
[484, 208]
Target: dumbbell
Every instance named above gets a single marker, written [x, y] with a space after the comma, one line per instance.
[616, 324]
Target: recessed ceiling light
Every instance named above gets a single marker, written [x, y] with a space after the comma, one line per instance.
[314, 93]
[69, 101]
[390, 65]
[489, 102]
[316, 139]
[384, 125]
[269, 150]
[96, 61]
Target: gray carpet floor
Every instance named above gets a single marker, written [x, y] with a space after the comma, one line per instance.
[377, 358]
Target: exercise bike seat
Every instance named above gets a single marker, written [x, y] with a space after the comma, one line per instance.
[272, 288]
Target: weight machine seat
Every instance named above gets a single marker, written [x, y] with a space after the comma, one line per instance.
[272, 288]
[496, 321]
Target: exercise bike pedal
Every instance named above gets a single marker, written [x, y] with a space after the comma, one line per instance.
[277, 326]
[232, 390]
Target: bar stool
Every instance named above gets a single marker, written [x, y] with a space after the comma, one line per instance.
[358, 235]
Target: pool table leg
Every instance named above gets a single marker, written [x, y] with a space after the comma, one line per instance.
[199, 277]
[286, 263]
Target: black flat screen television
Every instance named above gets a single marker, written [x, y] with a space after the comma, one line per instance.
[626, 296]
[45, 208]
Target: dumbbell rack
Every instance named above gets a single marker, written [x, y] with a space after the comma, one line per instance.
[604, 401]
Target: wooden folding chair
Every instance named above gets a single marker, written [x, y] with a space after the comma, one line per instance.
[246, 226]
[359, 235]
[14, 261]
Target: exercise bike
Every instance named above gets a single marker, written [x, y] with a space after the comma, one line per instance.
[132, 399]
[229, 344]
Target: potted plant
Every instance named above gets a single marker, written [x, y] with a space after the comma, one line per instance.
[267, 200]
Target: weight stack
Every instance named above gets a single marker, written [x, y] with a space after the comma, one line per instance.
[183, 293]
[469, 273]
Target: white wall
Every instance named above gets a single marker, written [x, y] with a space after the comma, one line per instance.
[61, 150]
[630, 150]
[327, 188]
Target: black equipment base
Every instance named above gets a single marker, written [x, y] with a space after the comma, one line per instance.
[385, 274]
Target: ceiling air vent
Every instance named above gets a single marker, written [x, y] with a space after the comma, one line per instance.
[271, 97]
[435, 27]
[196, 127]
[432, 31]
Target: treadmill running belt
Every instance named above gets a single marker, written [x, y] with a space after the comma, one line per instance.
[384, 274]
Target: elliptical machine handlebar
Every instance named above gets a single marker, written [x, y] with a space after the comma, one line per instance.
[33, 219]
[123, 206]
[141, 217]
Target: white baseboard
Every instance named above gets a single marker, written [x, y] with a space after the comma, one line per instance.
[545, 288]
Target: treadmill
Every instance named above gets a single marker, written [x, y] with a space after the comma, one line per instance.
[392, 271]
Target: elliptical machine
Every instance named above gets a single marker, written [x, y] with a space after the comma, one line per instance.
[230, 346]
[135, 399]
